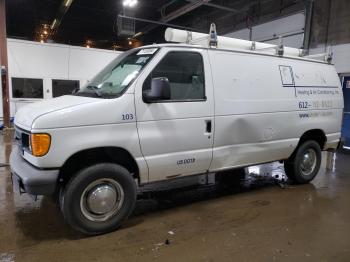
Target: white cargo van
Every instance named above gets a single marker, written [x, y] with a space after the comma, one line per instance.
[173, 110]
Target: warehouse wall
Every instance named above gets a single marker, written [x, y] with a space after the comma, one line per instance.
[29, 59]
[331, 27]
[338, 33]
[330, 23]
[290, 27]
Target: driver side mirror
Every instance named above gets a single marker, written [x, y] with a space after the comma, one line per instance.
[160, 90]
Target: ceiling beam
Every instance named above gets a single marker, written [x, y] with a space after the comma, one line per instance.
[184, 10]
[192, 5]
[177, 13]
[158, 22]
[221, 7]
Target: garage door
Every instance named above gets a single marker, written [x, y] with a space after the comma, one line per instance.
[346, 119]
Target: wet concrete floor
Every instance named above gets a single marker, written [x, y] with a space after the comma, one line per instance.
[254, 218]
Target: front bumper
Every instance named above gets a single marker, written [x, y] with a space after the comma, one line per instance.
[30, 179]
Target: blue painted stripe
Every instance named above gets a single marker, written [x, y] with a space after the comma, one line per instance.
[310, 86]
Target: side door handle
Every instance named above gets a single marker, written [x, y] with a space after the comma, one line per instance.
[208, 126]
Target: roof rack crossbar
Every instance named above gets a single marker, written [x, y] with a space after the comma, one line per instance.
[327, 56]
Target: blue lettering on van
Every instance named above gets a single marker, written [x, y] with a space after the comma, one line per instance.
[304, 115]
[304, 104]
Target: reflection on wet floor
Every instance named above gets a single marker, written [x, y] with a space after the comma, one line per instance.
[256, 215]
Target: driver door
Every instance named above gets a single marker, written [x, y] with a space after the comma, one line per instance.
[176, 135]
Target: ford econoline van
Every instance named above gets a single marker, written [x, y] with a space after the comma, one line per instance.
[165, 111]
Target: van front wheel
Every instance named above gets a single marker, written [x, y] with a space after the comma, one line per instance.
[305, 163]
[99, 198]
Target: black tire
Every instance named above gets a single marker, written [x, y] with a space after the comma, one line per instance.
[295, 167]
[71, 198]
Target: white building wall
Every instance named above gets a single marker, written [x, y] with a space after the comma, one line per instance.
[29, 59]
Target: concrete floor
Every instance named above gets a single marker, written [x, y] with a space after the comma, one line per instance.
[257, 219]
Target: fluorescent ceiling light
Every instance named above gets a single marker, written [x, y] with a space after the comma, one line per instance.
[54, 23]
[68, 3]
[130, 3]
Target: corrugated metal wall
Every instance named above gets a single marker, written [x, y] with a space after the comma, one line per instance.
[330, 23]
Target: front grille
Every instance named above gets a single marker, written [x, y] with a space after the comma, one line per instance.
[22, 138]
[25, 140]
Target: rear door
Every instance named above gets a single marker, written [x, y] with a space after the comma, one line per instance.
[176, 135]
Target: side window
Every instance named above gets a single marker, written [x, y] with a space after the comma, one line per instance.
[27, 88]
[63, 87]
[185, 73]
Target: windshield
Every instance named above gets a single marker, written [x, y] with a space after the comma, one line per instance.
[116, 77]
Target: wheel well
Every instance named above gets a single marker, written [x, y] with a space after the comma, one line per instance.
[92, 156]
[315, 134]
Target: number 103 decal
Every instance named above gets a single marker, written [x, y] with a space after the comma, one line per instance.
[127, 116]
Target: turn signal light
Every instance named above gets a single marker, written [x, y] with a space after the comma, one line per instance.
[40, 144]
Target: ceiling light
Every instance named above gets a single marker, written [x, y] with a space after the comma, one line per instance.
[88, 43]
[129, 3]
[137, 35]
[54, 23]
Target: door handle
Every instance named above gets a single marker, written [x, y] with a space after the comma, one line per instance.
[208, 126]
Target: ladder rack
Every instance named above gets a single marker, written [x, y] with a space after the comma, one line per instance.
[212, 40]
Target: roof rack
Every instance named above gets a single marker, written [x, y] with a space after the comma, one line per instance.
[212, 40]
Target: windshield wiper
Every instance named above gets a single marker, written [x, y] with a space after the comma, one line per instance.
[95, 89]
[76, 90]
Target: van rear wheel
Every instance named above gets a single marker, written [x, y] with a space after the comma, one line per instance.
[99, 198]
[304, 164]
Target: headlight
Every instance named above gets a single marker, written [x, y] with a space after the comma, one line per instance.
[40, 144]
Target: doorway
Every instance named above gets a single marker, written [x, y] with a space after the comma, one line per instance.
[346, 118]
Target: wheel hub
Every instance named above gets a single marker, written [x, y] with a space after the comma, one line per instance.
[101, 199]
[308, 162]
